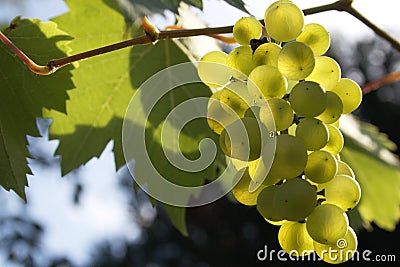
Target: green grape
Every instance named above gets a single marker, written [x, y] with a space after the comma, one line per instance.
[339, 252]
[343, 191]
[295, 199]
[326, 72]
[279, 111]
[245, 29]
[313, 133]
[253, 112]
[290, 157]
[235, 96]
[296, 61]
[335, 142]
[265, 203]
[241, 189]
[212, 69]
[240, 60]
[321, 167]
[316, 37]
[294, 239]
[327, 223]
[276, 223]
[266, 54]
[266, 82]
[284, 21]
[344, 168]
[259, 173]
[350, 93]
[308, 99]
[238, 164]
[242, 139]
[218, 117]
[333, 110]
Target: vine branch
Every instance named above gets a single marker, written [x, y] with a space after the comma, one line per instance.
[55, 64]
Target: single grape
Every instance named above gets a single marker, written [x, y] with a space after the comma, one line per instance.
[284, 21]
[235, 96]
[333, 110]
[242, 139]
[335, 142]
[245, 29]
[212, 69]
[350, 93]
[290, 157]
[344, 168]
[240, 60]
[339, 252]
[266, 54]
[218, 117]
[296, 61]
[295, 199]
[294, 239]
[279, 111]
[316, 37]
[308, 99]
[326, 72]
[265, 203]
[343, 191]
[241, 189]
[266, 82]
[313, 132]
[327, 223]
[321, 167]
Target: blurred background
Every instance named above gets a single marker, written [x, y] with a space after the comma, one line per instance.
[91, 217]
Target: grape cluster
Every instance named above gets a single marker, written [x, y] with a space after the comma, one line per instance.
[278, 88]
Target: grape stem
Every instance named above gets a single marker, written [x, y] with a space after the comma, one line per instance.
[148, 38]
[372, 86]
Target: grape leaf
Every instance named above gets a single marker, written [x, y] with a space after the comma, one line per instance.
[377, 171]
[104, 88]
[24, 94]
[238, 4]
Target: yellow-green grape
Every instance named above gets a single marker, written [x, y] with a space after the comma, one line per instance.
[240, 60]
[313, 133]
[326, 72]
[290, 157]
[294, 239]
[344, 168]
[295, 199]
[317, 38]
[321, 167]
[308, 99]
[343, 191]
[350, 93]
[339, 252]
[266, 54]
[278, 110]
[296, 61]
[284, 21]
[242, 139]
[216, 115]
[259, 172]
[276, 223]
[241, 189]
[253, 111]
[225, 147]
[333, 110]
[265, 203]
[336, 140]
[246, 29]
[212, 69]
[235, 96]
[266, 82]
[327, 223]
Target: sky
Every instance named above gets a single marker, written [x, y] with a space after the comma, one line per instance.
[71, 229]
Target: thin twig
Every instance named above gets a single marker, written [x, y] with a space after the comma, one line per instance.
[55, 64]
[390, 78]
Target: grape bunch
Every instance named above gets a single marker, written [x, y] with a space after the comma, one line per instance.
[276, 106]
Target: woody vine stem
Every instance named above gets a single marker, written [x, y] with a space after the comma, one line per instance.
[152, 35]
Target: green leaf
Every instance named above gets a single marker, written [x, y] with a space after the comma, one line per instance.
[24, 94]
[377, 172]
[177, 216]
[238, 4]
